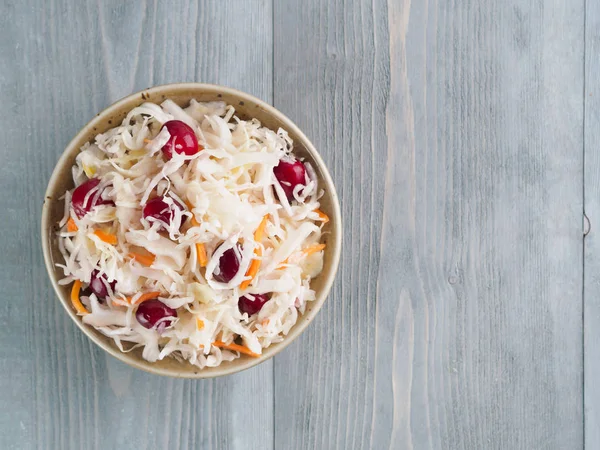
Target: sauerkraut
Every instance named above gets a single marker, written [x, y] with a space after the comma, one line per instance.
[201, 254]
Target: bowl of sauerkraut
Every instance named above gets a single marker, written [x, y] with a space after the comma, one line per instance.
[191, 230]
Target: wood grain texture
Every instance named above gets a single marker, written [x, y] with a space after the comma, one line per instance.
[454, 133]
[592, 240]
[61, 63]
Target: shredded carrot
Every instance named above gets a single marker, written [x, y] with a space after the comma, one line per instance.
[252, 270]
[200, 250]
[236, 348]
[75, 298]
[147, 141]
[106, 237]
[307, 251]
[71, 225]
[258, 234]
[141, 298]
[265, 322]
[322, 215]
[255, 264]
[146, 260]
[313, 249]
[201, 254]
[199, 323]
[195, 223]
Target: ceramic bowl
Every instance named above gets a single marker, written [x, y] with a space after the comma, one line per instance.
[247, 107]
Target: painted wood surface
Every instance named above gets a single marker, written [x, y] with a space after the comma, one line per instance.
[454, 131]
[62, 62]
[591, 313]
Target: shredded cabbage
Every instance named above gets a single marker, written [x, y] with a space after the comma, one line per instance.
[229, 186]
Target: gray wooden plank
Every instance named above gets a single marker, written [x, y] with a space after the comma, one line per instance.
[61, 62]
[592, 241]
[453, 131]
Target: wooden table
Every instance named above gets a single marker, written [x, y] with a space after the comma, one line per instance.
[462, 136]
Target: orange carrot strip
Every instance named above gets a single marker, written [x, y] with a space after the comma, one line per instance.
[265, 322]
[252, 270]
[283, 263]
[200, 250]
[258, 234]
[147, 141]
[71, 225]
[146, 260]
[106, 237]
[307, 251]
[195, 223]
[322, 215]
[236, 348]
[313, 249]
[75, 298]
[199, 323]
[255, 264]
[201, 254]
[141, 298]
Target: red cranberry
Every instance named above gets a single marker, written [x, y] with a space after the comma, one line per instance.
[182, 140]
[290, 175]
[150, 312]
[158, 209]
[98, 284]
[252, 306]
[229, 266]
[78, 201]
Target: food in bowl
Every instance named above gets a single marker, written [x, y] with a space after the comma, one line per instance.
[191, 233]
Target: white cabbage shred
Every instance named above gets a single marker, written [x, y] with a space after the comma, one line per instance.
[230, 186]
